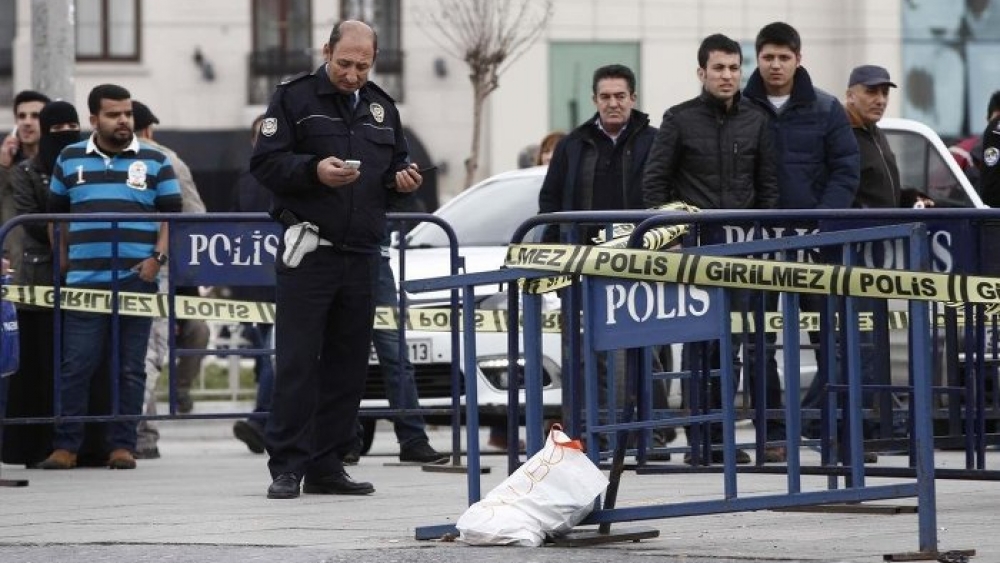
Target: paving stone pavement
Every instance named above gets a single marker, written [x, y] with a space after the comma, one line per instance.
[204, 501]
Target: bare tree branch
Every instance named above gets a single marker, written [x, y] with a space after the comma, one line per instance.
[488, 35]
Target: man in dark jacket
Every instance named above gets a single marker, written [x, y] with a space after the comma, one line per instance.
[989, 182]
[333, 152]
[714, 152]
[599, 165]
[818, 163]
[818, 156]
[867, 98]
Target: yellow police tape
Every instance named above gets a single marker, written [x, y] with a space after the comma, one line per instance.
[386, 318]
[140, 304]
[656, 238]
[750, 273]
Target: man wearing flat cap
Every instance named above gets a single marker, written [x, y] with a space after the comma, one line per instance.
[867, 98]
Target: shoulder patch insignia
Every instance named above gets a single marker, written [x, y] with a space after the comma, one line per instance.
[378, 112]
[991, 156]
[269, 126]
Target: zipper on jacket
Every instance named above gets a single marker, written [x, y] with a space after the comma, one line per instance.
[885, 167]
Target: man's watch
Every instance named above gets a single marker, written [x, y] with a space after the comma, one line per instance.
[160, 258]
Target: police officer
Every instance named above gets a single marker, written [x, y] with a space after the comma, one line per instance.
[332, 151]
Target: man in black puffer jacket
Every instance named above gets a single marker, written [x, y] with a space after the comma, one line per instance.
[714, 151]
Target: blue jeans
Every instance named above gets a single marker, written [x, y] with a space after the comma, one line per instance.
[397, 371]
[259, 336]
[86, 342]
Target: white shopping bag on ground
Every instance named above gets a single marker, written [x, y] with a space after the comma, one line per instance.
[548, 495]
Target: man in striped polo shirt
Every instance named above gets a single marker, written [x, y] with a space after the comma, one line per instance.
[111, 172]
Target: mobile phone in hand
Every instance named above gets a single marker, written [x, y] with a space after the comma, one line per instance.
[352, 164]
[427, 169]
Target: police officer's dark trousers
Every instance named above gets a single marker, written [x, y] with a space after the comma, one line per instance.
[323, 329]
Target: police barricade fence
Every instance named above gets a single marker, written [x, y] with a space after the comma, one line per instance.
[942, 241]
[959, 243]
[218, 250]
[251, 248]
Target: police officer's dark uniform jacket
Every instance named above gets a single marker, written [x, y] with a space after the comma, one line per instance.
[712, 157]
[325, 305]
[309, 120]
[989, 181]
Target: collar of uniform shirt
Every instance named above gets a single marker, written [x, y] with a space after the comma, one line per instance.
[614, 138]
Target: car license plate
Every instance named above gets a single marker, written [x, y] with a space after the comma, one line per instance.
[421, 352]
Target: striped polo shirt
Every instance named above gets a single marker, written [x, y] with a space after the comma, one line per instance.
[139, 179]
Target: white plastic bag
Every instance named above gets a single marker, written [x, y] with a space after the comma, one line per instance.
[548, 495]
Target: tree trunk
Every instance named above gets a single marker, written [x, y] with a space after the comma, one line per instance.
[472, 163]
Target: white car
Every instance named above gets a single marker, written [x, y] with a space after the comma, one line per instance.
[485, 217]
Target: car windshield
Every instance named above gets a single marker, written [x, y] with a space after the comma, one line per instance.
[484, 216]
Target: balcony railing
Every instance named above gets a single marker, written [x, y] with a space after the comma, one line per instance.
[268, 68]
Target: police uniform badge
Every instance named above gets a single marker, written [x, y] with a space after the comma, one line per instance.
[991, 156]
[378, 112]
[269, 126]
[137, 175]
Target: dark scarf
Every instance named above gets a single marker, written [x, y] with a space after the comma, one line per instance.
[51, 144]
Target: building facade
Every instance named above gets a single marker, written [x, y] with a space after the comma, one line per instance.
[207, 68]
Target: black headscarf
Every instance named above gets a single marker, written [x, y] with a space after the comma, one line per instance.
[51, 144]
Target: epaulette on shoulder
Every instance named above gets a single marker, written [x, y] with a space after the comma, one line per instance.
[378, 90]
[293, 79]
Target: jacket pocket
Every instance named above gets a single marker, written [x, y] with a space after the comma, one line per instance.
[36, 268]
[324, 136]
[380, 148]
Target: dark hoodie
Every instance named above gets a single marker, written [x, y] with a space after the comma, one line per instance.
[30, 186]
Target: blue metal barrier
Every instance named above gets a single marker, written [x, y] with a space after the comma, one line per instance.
[837, 228]
[228, 249]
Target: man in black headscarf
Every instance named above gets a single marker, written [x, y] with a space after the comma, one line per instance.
[30, 392]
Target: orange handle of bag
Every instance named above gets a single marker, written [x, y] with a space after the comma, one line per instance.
[572, 444]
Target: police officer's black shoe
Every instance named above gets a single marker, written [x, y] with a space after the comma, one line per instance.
[285, 485]
[336, 484]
